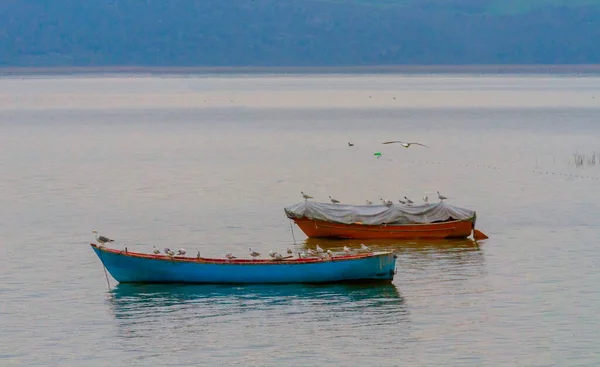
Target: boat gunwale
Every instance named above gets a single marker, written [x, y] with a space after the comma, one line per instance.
[202, 260]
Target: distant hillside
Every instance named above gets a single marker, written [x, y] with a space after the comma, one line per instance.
[298, 32]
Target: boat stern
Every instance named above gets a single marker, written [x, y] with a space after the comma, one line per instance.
[387, 265]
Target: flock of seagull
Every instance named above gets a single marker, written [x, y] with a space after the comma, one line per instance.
[309, 253]
[169, 252]
[386, 202]
[274, 255]
[102, 240]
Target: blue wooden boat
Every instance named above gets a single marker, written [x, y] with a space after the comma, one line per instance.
[132, 267]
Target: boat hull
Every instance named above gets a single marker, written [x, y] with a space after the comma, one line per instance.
[443, 230]
[128, 267]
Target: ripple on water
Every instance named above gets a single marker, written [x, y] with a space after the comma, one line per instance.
[216, 180]
[145, 311]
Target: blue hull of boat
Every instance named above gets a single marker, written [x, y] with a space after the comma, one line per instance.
[137, 268]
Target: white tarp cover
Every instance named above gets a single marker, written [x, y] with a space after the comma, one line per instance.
[377, 214]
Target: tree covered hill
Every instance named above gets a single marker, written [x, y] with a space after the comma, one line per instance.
[297, 32]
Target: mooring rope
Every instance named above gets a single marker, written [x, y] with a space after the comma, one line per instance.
[104, 267]
[292, 228]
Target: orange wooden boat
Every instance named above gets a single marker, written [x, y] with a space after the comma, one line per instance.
[432, 221]
[449, 229]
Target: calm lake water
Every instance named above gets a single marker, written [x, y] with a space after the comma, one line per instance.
[209, 163]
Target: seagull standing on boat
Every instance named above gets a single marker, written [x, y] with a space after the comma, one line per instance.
[272, 253]
[369, 202]
[101, 239]
[404, 144]
[408, 201]
[254, 254]
[230, 256]
[330, 254]
[156, 251]
[347, 250]
[364, 248]
[306, 197]
[402, 202]
[386, 202]
[289, 251]
[441, 197]
[278, 256]
[334, 200]
[311, 252]
[319, 249]
[167, 250]
[181, 252]
[426, 200]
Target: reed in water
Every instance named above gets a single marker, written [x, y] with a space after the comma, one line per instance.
[582, 159]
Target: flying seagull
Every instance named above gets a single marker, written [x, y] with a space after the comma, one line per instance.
[334, 200]
[350, 144]
[306, 197]
[441, 197]
[404, 144]
[102, 239]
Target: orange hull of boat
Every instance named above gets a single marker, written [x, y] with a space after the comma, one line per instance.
[453, 229]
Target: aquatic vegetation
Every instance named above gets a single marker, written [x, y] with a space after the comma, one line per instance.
[583, 159]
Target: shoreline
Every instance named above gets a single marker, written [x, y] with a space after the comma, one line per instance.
[590, 69]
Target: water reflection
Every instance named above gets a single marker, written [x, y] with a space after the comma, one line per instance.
[147, 317]
[166, 294]
[395, 245]
[457, 257]
[132, 300]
